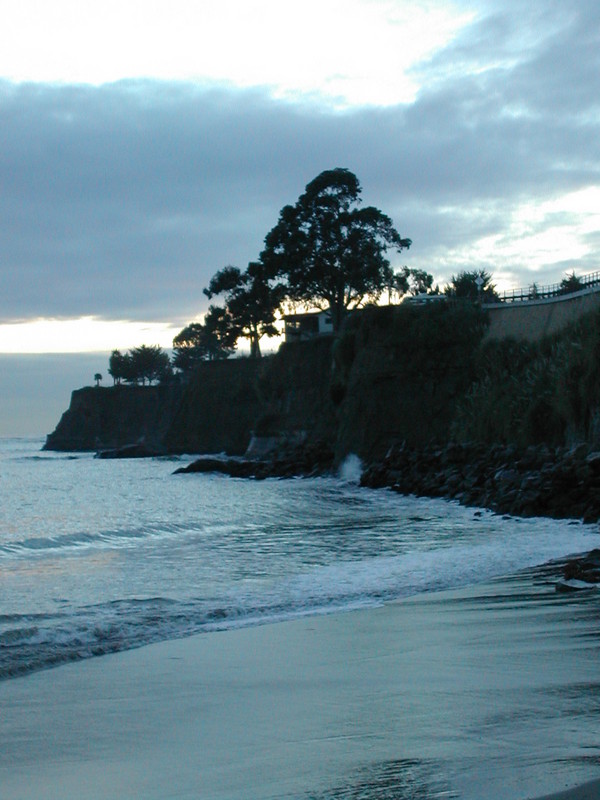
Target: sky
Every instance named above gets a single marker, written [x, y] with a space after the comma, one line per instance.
[144, 145]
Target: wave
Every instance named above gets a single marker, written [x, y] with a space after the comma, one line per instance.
[33, 642]
[87, 544]
[85, 539]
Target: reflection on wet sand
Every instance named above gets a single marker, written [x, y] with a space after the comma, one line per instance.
[406, 779]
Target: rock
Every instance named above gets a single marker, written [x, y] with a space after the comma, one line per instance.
[314, 458]
[507, 477]
[593, 461]
[235, 468]
[574, 585]
[585, 569]
[578, 452]
[111, 418]
[139, 450]
[537, 482]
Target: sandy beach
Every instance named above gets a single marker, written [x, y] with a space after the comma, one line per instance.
[587, 791]
[487, 692]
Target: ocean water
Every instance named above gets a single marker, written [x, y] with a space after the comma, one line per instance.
[98, 556]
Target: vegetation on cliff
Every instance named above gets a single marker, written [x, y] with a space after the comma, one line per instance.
[399, 372]
[147, 363]
[529, 393]
[251, 304]
[393, 374]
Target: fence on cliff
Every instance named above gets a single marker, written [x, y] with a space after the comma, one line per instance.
[535, 292]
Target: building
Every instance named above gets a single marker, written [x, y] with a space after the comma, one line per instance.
[300, 327]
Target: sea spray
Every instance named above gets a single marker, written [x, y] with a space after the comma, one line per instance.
[351, 469]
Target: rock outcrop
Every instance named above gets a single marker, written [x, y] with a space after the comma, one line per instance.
[311, 459]
[104, 418]
[539, 481]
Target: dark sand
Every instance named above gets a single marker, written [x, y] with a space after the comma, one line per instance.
[491, 692]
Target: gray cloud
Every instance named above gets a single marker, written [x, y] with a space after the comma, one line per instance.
[121, 201]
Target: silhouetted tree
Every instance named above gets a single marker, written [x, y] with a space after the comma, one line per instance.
[220, 325]
[570, 283]
[144, 363]
[329, 251]
[251, 304]
[420, 282]
[413, 281]
[199, 342]
[117, 366]
[97, 378]
[465, 286]
[149, 363]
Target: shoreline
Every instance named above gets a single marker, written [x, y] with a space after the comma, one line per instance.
[539, 481]
[554, 482]
[585, 791]
[419, 695]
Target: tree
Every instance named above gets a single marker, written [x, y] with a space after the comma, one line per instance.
[420, 282]
[329, 251]
[251, 304]
[200, 342]
[220, 326]
[413, 281]
[97, 378]
[117, 366]
[571, 283]
[150, 363]
[139, 365]
[474, 285]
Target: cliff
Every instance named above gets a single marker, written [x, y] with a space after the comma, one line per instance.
[394, 374]
[421, 376]
[400, 373]
[102, 417]
[218, 409]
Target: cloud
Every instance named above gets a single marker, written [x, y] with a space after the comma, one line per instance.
[120, 201]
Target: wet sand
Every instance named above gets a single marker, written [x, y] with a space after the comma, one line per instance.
[487, 692]
[587, 791]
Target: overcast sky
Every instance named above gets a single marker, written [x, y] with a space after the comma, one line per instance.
[145, 145]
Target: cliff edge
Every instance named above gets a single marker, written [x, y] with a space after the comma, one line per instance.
[109, 417]
[422, 376]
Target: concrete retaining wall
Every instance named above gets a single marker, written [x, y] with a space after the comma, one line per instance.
[533, 319]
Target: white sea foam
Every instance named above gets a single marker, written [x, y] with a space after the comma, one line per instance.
[102, 555]
[351, 469]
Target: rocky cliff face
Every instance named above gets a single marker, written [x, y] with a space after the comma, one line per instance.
[374, 385]
[393, 375]
[103, 417]
[399, 374]
[282, 397]
[218, 409]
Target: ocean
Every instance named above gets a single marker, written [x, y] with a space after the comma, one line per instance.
[99, 556]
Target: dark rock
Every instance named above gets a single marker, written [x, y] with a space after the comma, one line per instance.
[234, 467]
[586, 569]
[314, 458]
[538, 482]
[578, 452]
[109, 418]
[507, 477]
[593, 461]
[139, 450]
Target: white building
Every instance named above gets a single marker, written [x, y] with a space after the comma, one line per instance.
[300, 327]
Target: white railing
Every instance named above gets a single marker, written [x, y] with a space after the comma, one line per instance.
[554, 290]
